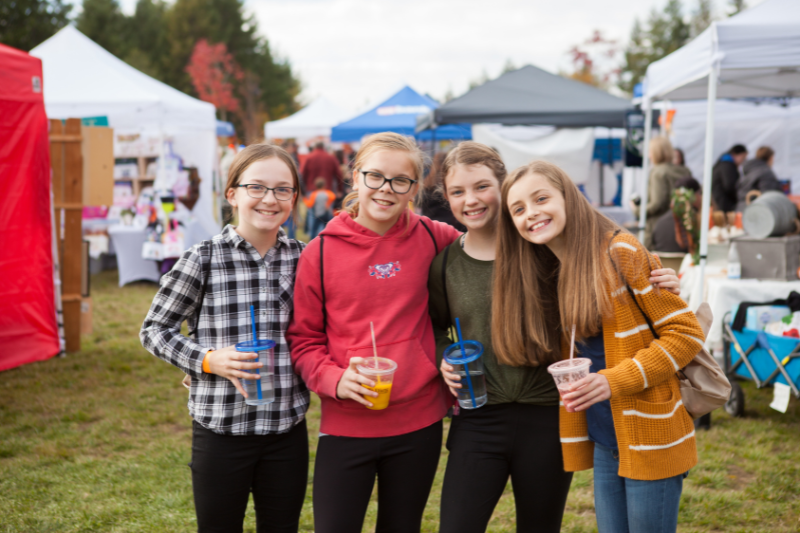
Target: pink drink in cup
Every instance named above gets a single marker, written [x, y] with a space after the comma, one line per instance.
[568, 371]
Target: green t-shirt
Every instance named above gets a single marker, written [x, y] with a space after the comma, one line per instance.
[469, 293]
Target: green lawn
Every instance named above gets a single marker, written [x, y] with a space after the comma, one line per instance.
[100, 440]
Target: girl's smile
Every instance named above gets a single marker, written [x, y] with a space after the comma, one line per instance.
[380, 208]
[474, 195]
[538, 211]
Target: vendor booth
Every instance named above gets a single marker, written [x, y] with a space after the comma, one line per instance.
[314, 120]
[28, 328]
[164, 141]
[398, 114]
[500, 109]
[755, 54]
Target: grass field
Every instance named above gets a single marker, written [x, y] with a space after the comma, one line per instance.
[100, 441]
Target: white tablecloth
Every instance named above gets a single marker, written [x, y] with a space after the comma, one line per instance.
[128, 240]
[724, 293]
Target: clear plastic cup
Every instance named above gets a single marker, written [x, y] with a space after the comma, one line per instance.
[260, 391]
[468, 361]
[568, 371]
[381, 371]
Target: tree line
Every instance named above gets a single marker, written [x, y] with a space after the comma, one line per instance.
[230, 63]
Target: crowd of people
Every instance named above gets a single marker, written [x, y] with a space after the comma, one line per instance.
[536, 262]
[674, 197]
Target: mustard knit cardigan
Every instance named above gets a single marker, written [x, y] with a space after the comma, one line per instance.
[655, 434]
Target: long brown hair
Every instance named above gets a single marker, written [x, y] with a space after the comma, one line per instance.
[384, 141]
[258, 152]
[536, 297]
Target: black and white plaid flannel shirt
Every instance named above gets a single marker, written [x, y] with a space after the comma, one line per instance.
[238, 278]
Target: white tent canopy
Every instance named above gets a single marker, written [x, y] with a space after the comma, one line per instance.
[754, 54]
[314, 120]
[81, 79]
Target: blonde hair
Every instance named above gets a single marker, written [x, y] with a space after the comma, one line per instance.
[661, 150]
[536, 296]
[259, 152]
[376, 143]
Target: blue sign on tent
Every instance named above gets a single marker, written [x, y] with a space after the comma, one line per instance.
[398, 114]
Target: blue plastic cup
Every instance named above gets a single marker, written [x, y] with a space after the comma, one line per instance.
[260, 391]
[467, 364]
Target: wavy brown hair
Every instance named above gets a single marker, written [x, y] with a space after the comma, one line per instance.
[536, 296]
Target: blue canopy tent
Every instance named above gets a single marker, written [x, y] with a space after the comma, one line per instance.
[398, 114]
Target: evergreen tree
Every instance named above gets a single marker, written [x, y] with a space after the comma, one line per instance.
[666, 31]
[736, 6]
[103, 22]
[27, 23]
[148, 38]
[702, 17]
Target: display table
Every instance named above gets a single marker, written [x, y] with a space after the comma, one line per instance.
[127, 242]
[724, 293]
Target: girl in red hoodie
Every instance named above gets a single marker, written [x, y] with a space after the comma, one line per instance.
[370, 264]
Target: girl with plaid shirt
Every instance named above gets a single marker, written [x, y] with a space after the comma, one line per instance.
[237, 448]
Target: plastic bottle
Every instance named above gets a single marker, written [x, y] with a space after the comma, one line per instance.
[734, 263]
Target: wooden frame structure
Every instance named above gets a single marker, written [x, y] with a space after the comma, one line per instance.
[66, 161]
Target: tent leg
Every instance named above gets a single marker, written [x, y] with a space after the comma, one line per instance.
[648, 127]
[707, 169]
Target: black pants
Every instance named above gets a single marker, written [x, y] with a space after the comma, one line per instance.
[227, 468]
[490, 444]
[344, 475]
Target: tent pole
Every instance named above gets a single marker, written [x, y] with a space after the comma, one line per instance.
[707, 169]
[648, 126]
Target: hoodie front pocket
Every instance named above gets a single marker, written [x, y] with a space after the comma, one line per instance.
[414, 368]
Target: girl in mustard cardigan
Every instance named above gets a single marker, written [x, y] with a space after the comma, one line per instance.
[561, 264]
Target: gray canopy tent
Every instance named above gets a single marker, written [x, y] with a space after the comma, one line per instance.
[532, 96]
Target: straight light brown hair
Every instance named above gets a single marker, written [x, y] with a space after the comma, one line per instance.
[764, 153]
[259, 152]
[536, 297]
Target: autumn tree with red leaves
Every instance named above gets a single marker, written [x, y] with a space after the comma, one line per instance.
[213, 72]
[595, 61]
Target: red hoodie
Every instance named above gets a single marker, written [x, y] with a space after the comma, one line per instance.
[383, 279]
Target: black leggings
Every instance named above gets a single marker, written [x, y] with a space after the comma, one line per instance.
[226, 468]
[344, 475]
[488, 445]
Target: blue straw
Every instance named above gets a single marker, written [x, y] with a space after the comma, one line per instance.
[253, 323]
[466, 365]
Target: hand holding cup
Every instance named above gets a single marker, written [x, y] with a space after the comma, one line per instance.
[350, 385]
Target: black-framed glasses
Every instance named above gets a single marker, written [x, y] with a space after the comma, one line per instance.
[260, 191]
[375, 180]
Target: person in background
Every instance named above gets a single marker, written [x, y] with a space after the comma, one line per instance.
[319, 205]
[757, 176]
[679, 160]
[673, 231]
[661, 182]
[725, 177]
[430, 200]
[321, 164]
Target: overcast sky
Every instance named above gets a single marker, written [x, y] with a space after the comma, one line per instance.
[356, 52]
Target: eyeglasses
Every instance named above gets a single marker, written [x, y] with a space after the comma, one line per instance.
[259, 191]
[375, 180]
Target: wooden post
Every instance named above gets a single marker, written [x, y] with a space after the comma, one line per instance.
[67, 163]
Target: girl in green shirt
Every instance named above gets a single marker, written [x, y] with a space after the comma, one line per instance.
[517, 433]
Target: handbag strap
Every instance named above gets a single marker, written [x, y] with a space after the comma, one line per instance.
[444, 285]
[322, 277]
[631, 293]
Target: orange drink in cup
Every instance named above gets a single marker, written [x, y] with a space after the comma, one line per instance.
[381, 371]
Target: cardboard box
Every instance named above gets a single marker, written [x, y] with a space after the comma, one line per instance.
[86, 316]
[98, 165]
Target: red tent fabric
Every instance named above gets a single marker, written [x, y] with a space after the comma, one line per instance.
[28, 330]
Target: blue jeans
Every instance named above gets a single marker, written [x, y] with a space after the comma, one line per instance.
[625, 505]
